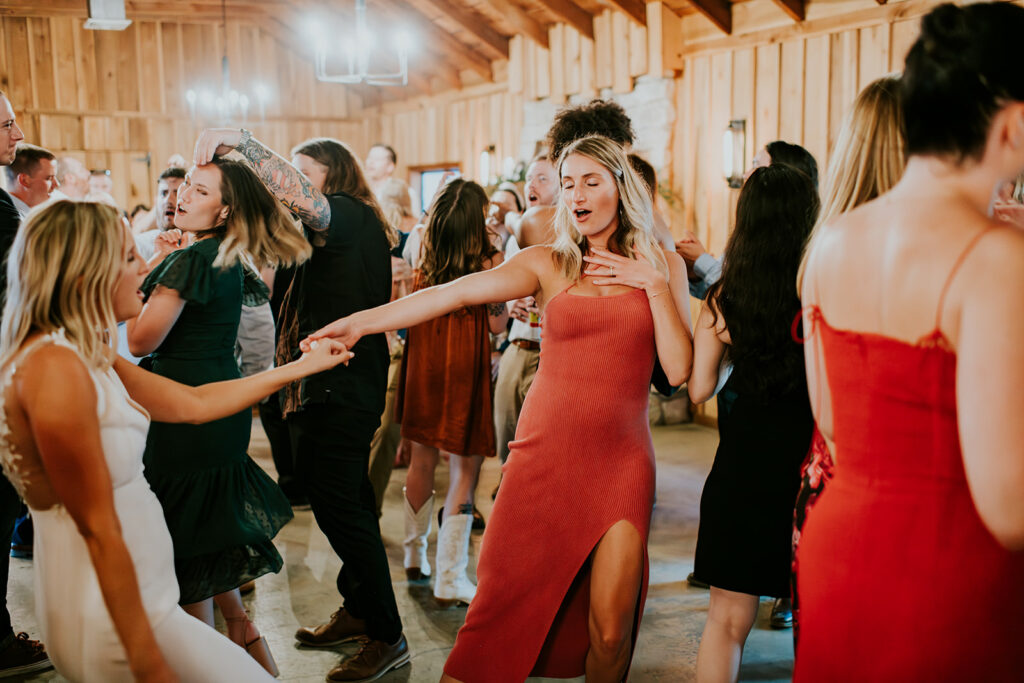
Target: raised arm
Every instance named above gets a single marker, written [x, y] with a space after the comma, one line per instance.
[513, 279]
[289, 186]
[147, 330]
[169, 401]
[59, 399]
[670, 306]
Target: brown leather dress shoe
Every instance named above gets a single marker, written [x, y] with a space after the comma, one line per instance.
[375, 659]
[341, 628]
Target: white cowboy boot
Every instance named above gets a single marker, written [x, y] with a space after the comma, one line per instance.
[417, 528]
[452, 584]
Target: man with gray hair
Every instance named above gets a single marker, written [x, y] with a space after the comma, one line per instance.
[72, 178]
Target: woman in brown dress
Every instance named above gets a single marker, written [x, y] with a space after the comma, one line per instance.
[444, 397]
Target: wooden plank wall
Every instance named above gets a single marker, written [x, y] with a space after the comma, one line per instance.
[453, 127]
[110, 98]
[797, 90]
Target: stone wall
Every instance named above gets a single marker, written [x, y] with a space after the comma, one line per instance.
[649, 105]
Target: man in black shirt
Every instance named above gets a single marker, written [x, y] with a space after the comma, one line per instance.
[332, 416]
[18, 654]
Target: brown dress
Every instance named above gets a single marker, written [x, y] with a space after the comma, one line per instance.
[444, 395]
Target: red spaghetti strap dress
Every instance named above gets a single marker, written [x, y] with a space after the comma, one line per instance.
[896, 528]
[582, 460]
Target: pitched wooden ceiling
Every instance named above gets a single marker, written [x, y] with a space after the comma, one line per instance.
[457, 39]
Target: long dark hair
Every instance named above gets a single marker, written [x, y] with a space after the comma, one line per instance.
[757, 291]
[456, 242]
[345, 175]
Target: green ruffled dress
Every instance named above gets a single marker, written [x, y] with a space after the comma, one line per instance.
[222, 510]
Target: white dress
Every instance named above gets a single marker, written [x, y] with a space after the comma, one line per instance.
[76, 626]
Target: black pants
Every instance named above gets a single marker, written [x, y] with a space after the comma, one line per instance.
[280, 448]
[10, 506]
[332, 452]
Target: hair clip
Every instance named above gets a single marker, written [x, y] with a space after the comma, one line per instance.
[617, 172]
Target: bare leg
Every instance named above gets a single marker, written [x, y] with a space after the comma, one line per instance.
[235, 616]
[616, 575]
[203, 611]
[445, 678]
[731, 615]
[419, 482]
[465, 473]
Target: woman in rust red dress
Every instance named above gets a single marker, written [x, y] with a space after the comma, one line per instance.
[563, 568]
[914, 366]
[444, 394]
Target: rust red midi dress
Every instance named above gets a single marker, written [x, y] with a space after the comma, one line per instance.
[581, 461]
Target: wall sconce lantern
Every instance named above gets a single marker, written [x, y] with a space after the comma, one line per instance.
[734, 145]
[487, 169]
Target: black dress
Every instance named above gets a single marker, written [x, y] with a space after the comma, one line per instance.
[744, 542]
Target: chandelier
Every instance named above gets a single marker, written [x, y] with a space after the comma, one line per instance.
[356, 57]
[228, 105]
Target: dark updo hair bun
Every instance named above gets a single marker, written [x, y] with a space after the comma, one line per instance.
[963, 68]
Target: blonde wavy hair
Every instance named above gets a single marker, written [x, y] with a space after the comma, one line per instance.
[634, 237]
[868, 157]
[62, 270]
[257, 226]
[395, 202]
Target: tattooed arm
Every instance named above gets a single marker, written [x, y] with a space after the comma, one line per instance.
[291, 188]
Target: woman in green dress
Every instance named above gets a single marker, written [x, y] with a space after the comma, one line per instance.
[221, 508]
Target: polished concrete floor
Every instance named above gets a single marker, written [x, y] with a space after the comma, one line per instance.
[304, 593]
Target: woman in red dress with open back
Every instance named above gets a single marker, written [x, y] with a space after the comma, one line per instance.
[914, 318]
[562, 574]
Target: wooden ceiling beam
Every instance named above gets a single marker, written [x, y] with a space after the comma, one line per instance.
[796, 9]
[574, 15]
[522, 21]
[475, 24]
[634, 9]
[719, 12]
[433, 38]
[139, 11]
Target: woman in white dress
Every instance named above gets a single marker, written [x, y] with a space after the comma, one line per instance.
[72, 432]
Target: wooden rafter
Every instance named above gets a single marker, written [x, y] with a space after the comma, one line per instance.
[718, 11]
[634, 9]
[432, 38]
[573, 14]
[522, 21]
[475, 24]
[796, 9]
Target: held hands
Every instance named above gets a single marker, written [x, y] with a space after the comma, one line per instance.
[323, 354]
[215, 141]
[611, 269]
[341, 331]
[520, 309]
[690, 249]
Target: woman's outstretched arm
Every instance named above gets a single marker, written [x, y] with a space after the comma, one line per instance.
[513, 279]
[59, 399]
[170, 401]
[286, 183]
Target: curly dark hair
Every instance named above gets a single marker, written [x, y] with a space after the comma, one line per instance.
[757, 293]
[597, 117]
